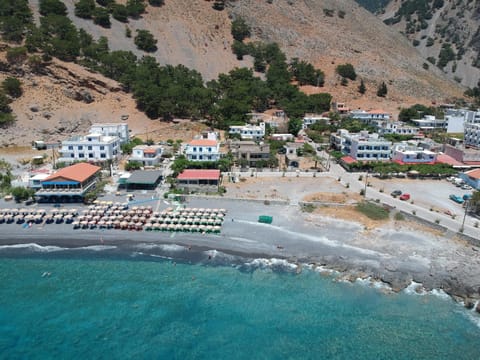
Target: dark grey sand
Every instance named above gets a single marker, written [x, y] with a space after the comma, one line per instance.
[394, 256]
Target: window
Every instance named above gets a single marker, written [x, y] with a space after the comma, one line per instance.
[81, 155]
[72, 155]
[90, 155]
[89, 147]
[103, 155]
[80, 147]
[102, 147]
[70, 147]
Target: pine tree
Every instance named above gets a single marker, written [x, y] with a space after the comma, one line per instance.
[382, 90]
[361, 88]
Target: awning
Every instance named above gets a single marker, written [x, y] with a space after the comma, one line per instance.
[60, 183]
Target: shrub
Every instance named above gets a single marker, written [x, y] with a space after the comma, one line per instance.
[12, 87]
[16, 55]
[309, 208]
[372, 211]
[346, 71]
[156, 2]
[399, 216]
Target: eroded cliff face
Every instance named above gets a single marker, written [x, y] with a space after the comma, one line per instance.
[446, 33]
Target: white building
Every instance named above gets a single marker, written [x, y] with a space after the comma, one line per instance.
[371, 116]
[92, 148]
[202, 150]
[147, 155]
[362, 146]
[471, 136]
[397, 127]
[310, 119]
[429, 122]
[248, 131]
[410, 154]
[112, 129]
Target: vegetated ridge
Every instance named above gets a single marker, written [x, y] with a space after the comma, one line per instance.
[327, 33]
[446, 33]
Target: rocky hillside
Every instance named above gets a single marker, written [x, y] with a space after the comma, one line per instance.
[446, 33]
[67, 98]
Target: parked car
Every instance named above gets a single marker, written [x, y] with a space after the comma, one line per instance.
[404, 197]
[466, 187]
[456, 198]
[467, 197]
[395, 193]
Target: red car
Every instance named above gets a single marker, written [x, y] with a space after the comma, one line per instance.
[404, 197]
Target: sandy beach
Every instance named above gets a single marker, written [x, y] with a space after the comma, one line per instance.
[394, 252]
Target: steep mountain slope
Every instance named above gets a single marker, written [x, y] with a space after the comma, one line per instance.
[324, 32]
[446, 33]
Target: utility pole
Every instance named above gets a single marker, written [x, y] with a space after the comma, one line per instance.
[467, 202]
[366, 183]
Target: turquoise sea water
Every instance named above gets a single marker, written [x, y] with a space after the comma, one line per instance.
[117, 306]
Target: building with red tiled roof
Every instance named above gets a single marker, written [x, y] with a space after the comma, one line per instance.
[472, 178]
[69, 184]
[199, 179]
[203, 150]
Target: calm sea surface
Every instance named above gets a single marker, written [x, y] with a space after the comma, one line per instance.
[100, 304]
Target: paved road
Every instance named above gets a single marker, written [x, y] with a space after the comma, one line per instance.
[355, 185]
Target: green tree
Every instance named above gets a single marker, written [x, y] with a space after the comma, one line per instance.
[21, 193]
[156, 2]
[101, 17]
[15, 17]
[133, 165]
[52, 7]
[382, 90]
[145, 41]
[12, 86]
[85, 9]
[305, 73]
[105, 3]
[135, 8]
[240, 30]
[294, 126]
[346, 71]
[120, 12]
[362, 88]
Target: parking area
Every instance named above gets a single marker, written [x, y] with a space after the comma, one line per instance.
[426, 193]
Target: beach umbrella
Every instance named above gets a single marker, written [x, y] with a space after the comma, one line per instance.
[156, 227]
[217, 229]
[139, 226]
[101, 224]
[127, 218]
[2, 219]
[201, 228]
[76, 224]
[96, 218]
[53, 211]
[123, 224]
[84, 224]
[85, 211]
